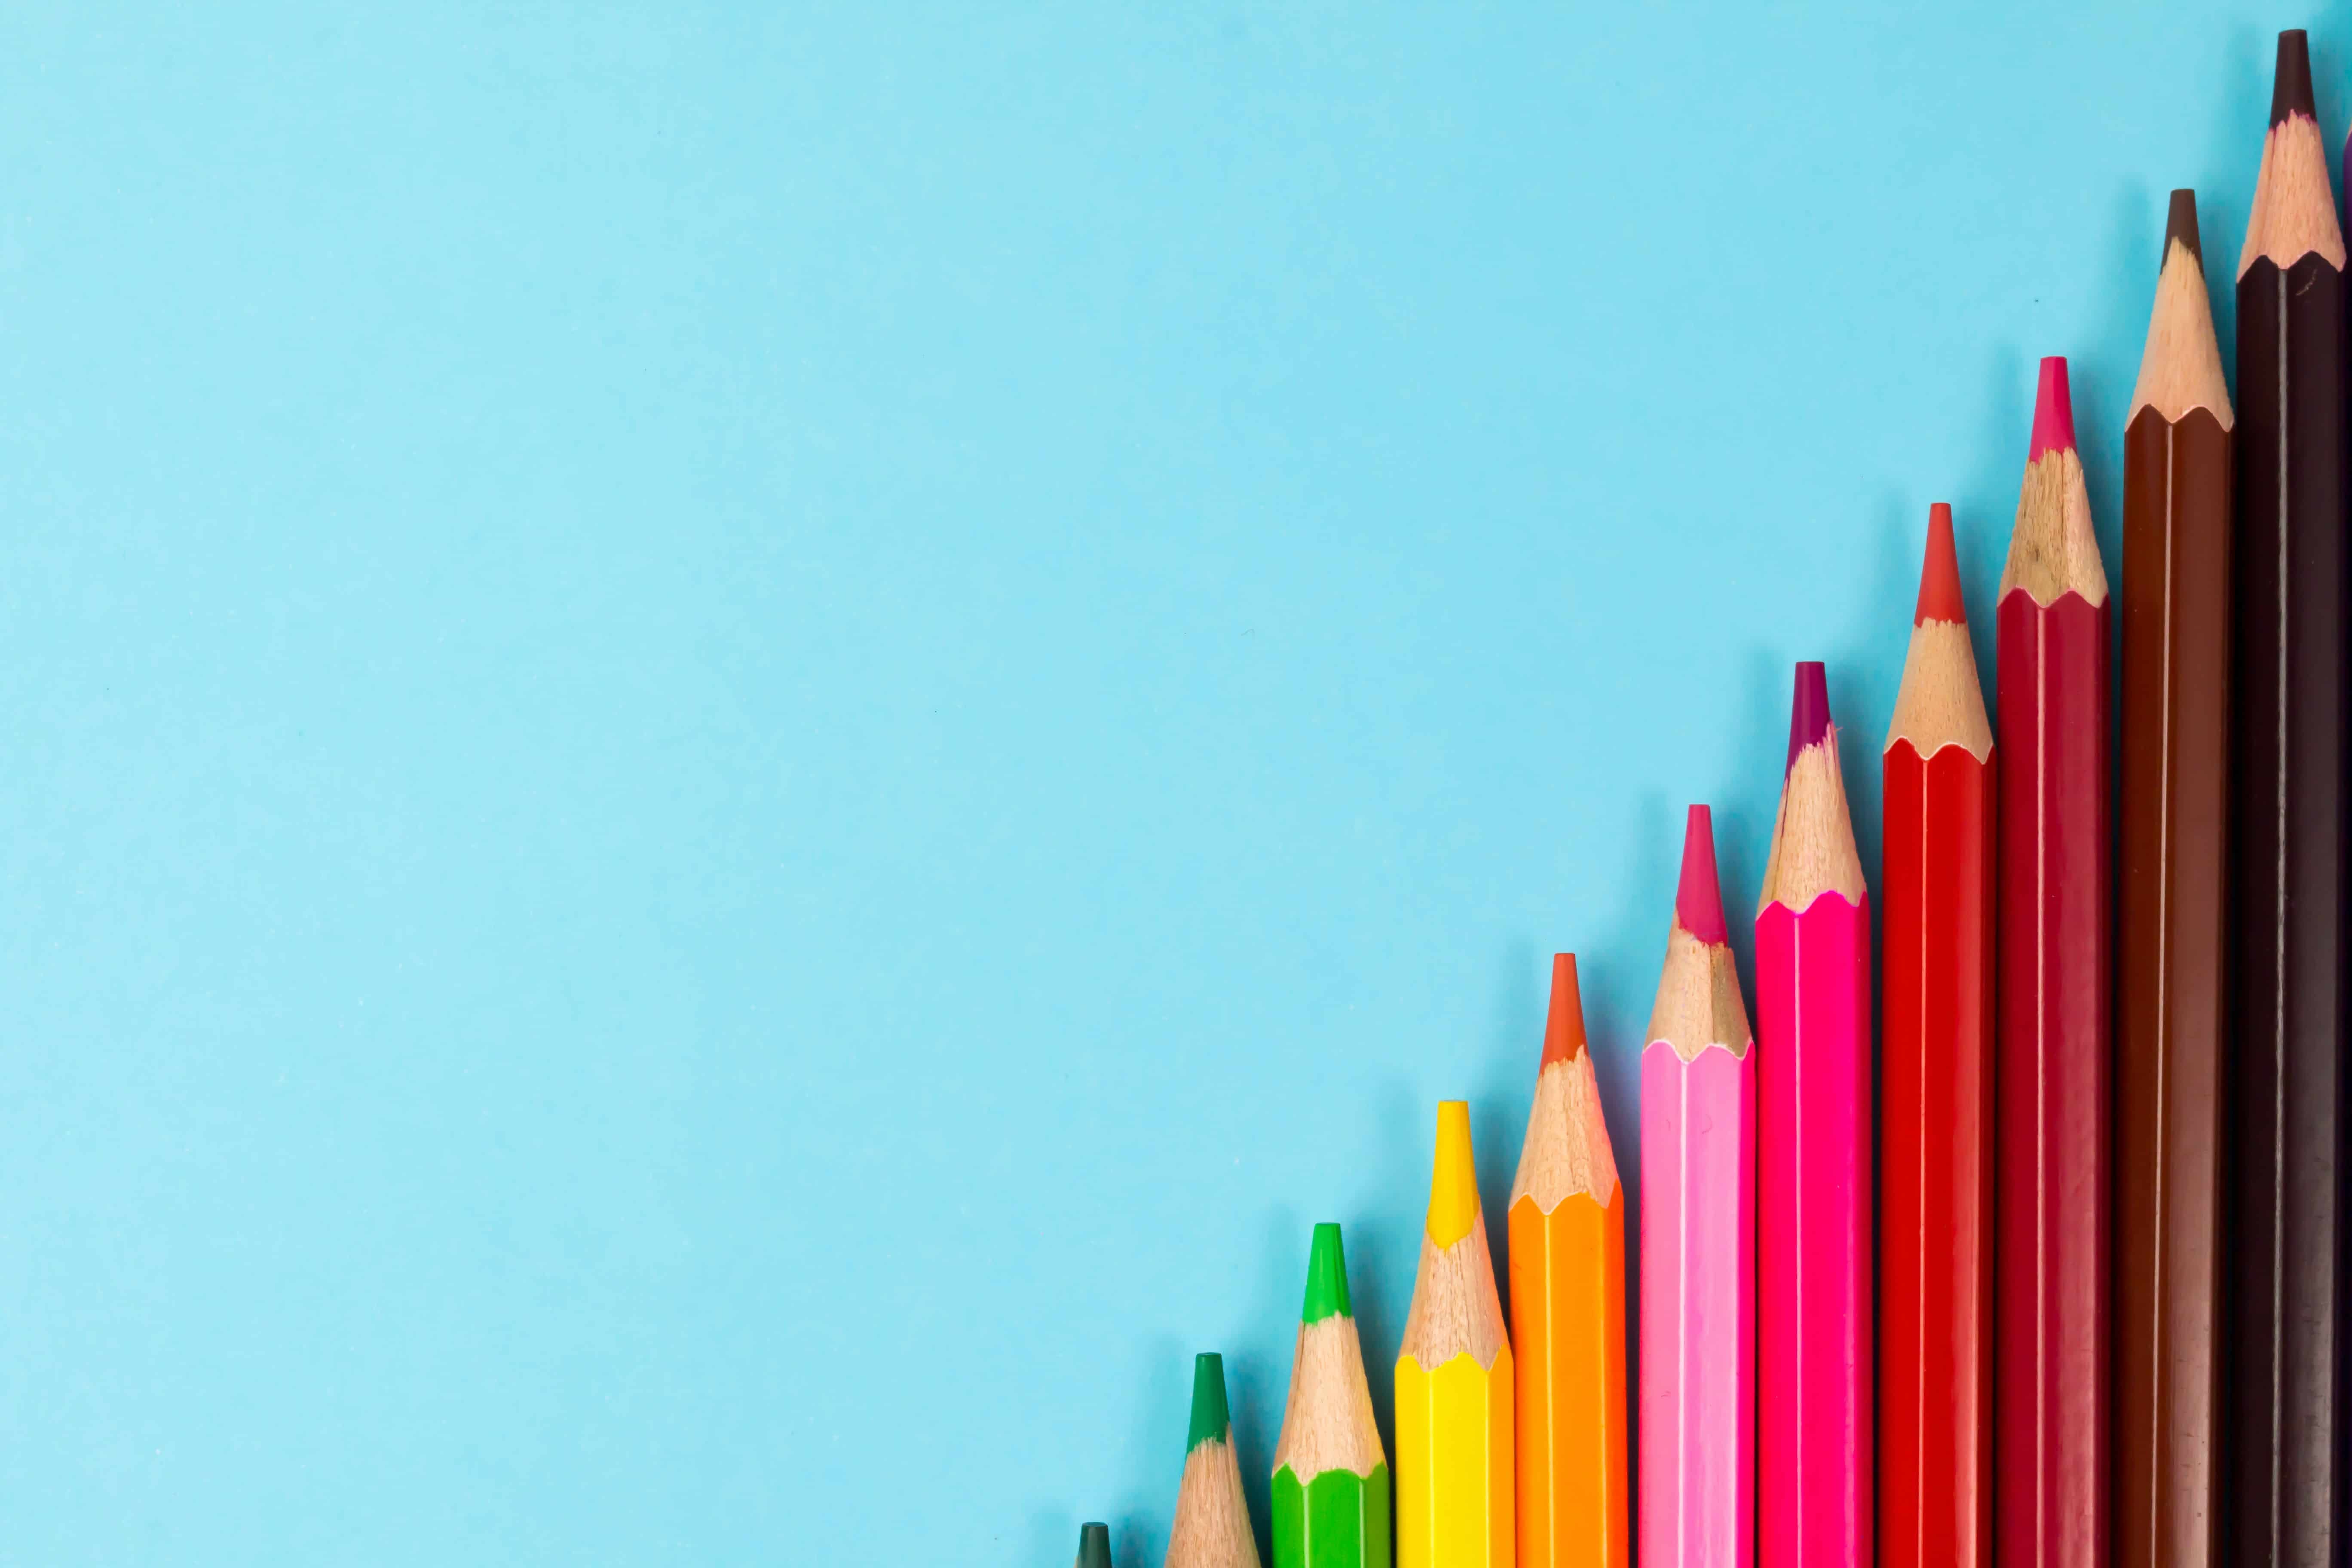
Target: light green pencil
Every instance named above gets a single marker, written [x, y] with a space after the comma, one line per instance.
[1331, 1473]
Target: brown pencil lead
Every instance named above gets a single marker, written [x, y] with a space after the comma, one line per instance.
[2180, 229]
[2291, 88]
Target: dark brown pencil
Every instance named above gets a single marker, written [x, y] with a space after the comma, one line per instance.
[2284, 1217]
[2171, 928]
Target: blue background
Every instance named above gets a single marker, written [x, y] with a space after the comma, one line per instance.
[741, 753]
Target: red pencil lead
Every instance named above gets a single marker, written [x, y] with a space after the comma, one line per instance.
[2053, 411]
[1939, 574]
[1564, 1027]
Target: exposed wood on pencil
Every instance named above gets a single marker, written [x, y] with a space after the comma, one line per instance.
[1567, 1151]
[1813, 833]
[2293, 213]
[2170, 931]
[2180, 368]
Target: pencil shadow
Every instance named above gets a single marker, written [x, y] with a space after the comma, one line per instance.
[1157, 1446]
[1383, 1243]
[1617, 993]
[1052, 1531]
[1981, 526]
[1743, 812]
[1258, 1382]
[2225, 176]
[1499, 1111]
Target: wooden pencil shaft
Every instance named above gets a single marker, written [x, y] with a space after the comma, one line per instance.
[2284, 1202]
[1567, 1329]
[1697, 1429]
[1814, 1275]
[2052, 1084]
[1935, 1164]
[2171, 942]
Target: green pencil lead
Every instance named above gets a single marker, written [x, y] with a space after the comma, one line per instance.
[1210, 1420]
[1327, 1278]
[1094, 1546]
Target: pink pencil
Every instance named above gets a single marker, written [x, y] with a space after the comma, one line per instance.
[1814, 1274]
[1698, 1240]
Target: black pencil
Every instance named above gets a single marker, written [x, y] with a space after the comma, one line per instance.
[2284, 1461]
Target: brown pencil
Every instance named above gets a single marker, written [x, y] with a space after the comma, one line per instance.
[2282, 1214]
[2169, 926]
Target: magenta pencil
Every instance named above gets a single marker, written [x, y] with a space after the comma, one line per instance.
[1698, 1240]
[1813, 1252]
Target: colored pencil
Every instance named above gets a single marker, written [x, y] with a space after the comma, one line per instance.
[1567, 1308]
[1094, 1546]
[2284, 1218]
[1934, 1252]
[1213, 1525]
[1697, 1470]
[1813, 1454]
[1331, 1473]
[1454, 1380]
[2170, 931]
[2051, 1331]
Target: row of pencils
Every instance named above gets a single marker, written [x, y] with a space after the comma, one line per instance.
[2098, 1237]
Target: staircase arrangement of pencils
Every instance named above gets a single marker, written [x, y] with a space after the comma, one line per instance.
[2108, 1164]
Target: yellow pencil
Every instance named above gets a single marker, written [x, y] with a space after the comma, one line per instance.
[1454, 1380]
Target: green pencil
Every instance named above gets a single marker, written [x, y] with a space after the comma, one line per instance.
[1331, 1473]
[1094, 1546]
[1212, 1522]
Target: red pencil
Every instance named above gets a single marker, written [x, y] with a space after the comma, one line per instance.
[1934, 1243]
[2052, 1118]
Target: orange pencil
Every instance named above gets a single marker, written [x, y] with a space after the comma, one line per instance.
[1568, 1309]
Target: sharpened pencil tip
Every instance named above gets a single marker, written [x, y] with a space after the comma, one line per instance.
[1094, 1546]
[1453, 1177]
[1698, 896]
[2291, 88]
[1210, 1420]
[2180, 229]
[2053, 411]
[1939, 574]
[1564, 1025]
[1809, 714]
[1327, 1278]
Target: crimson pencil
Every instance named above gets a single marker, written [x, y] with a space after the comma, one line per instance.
[2052, 1229]
[1813, 1276]
[1934, 1238]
